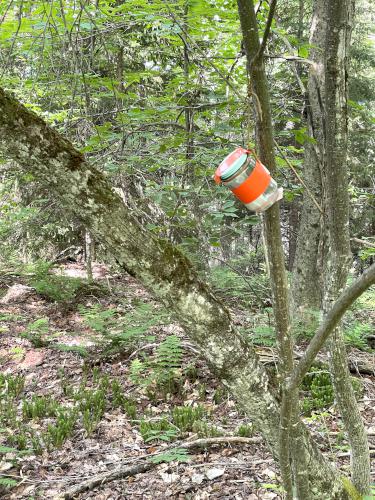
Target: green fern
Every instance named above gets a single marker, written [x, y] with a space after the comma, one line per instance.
[169, 354]
[161, 371]
[37, 331]
[8, 482]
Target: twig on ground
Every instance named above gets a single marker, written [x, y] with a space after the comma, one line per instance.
[144, 466]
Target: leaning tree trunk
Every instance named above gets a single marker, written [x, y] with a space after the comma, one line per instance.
[86, 193]
[336, 248]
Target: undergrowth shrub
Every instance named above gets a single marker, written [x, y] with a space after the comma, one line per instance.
[63, 428]
[355, 334]
[245, 430]
[263, 335]
[119, 400]
[205, 430]
[86, 408]
[11, 385]
[58, 288]
[244, 288]
[40, 407]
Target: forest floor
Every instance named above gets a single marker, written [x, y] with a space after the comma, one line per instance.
[101, 354]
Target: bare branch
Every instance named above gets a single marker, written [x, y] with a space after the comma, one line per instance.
[267, 31]
[342, 304]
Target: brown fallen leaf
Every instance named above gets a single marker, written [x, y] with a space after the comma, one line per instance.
[32, 358]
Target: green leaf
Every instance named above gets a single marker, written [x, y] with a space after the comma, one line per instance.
[303, 51]
[7, 449]
[176, 454]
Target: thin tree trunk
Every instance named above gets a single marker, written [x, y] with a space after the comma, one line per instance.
[274, 248]
[88, 255]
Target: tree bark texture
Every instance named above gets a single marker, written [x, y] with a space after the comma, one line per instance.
[271, 219]
[336, 243]
[273, 244]
[165, 271]
[306, 282]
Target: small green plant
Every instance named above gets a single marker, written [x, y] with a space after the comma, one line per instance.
[244, 430]
[167, 363]
[8, 482]
[99, 319]
[355, 335]
[184, 417]
[19, 438]
[319, 385]
[78, 349]
[191, 372]
[160, 430]
[39, 268]
[37, 445]
[92, 404]
[306, 323]
[243, 289]
[173, 455]
[66, 387]
[202, 391]
[57, 288]
[263, 335]
[56, 434]
[320, 394]
[10, 317]
[162, 371]
[11, 386]
[119, 400]
[220, 395]
[117, 394]
[205, 430]
[104, 383]
[40, 407]
[95, 375]
[37, 331]
[8, 410]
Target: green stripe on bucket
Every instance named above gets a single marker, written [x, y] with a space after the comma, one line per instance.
[234, 167]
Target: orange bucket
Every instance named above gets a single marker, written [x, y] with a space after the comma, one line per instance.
[248, 179]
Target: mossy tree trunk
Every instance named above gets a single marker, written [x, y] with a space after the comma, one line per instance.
[164, 270]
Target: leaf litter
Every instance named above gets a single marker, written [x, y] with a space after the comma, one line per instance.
[236, 471]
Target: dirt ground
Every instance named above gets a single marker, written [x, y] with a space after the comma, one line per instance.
[236, 471]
